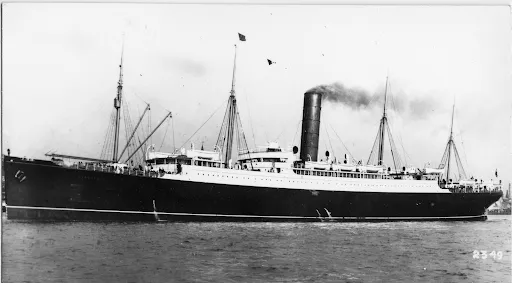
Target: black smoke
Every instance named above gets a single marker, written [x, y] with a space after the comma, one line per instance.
[418, 107]
[338, 93]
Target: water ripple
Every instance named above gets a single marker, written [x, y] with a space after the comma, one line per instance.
[256, 252]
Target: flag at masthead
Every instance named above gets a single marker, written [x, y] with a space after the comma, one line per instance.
[231, 126]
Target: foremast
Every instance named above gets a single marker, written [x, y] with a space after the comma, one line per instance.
[110, 150]
[117, 107]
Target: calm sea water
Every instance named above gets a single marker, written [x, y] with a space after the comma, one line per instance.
[256, 252]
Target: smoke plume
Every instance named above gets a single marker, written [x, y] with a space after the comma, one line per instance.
[416, 107]
[338, 93]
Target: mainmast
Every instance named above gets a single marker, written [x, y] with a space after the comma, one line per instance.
[117, 106]
[231, 125]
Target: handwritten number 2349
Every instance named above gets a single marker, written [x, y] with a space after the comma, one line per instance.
[484, 255]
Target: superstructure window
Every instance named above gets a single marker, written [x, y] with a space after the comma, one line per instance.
[271, 160]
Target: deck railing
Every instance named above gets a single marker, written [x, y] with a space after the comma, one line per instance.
[478, 188]
[109, 169]
[259, 150]
[339, 174]
[475, 189]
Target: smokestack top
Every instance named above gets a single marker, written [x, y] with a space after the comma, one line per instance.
[313, 99]
[313, 91]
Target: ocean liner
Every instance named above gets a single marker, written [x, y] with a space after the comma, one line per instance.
[262, 184]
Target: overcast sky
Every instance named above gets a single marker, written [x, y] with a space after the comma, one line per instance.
[60, 72]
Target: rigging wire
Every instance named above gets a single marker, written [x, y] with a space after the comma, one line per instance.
[464, 151]
[241, 137]
[329, 139]
[285, 128]
[465, 158]
[460, 169]
[278, 136]
[173, 143]
[298, 127]
[325, 142]
[401, 142]
[149, 130]
[110, 141]
[394, 151]
[110, 146]
[373, 158]
[394, 117]
[165, 134]
[221, 139]
[125, 124]
[123, 113]
[141, 131]
[405, 152]
[106, 144]
[140, 155]
[201, 126]
[349, 154]
[130, 129]
[250, 119]
[145, 102]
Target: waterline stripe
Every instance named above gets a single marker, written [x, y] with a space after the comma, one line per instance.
[234, 215]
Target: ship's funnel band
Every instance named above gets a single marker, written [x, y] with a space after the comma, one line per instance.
[310, 126]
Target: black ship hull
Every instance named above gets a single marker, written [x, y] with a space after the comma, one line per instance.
[43, 191]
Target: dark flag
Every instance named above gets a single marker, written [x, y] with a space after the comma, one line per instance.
[241, 37]
[496, 173]
[270, 62]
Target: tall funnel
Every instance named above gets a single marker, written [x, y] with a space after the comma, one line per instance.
[310, 126]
